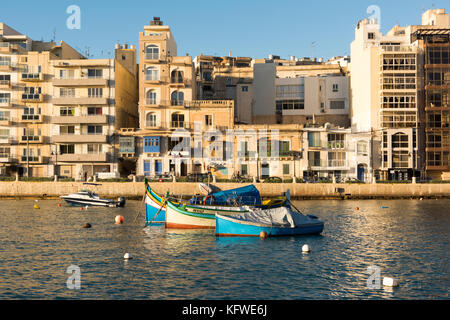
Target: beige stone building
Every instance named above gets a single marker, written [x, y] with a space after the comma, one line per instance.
[60, 110]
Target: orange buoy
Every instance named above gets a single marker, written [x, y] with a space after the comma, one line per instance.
[357, 208]
[263, 234]
[81, 208]
[119, 219]
[59, 204]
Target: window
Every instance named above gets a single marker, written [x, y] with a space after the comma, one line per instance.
[337, 104]
[336, 159]
[336, 141]
[63, 130]
[371, 36]
[94, 148]
[177, 98]
[151, 97]
[67, 92]
[66, 74]
[207, 76]
[291, 91]
[66, 111]
[66, 148]
[361, 148]
[335, 87]
[290, 105]
[244, 169]
[95, 73]
[244, 88]
[314, 158]
[208, 120]
[4, 115]
[93, 111]
[399, 140]
[400, 159]
[95, 92]
[4, 133]
[152, 52]
[151, 120]
[177, 120]
[285, 148]
[95, 129]
[314, 139]
[5, 152]
[152, 74]
[152, 144]
[147, 166]
[176, 76]
[286, 169]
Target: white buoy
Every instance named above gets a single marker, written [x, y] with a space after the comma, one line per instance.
[390, 282]
[305, 248]
[127, 256]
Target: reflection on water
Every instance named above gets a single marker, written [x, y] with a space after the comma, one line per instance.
[407, 240]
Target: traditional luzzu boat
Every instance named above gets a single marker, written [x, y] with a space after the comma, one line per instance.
[223, 201]
[283, 221]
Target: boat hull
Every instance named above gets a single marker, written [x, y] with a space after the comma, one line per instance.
[229, 227]
[177, 218]
[82, 203]
[153, 211]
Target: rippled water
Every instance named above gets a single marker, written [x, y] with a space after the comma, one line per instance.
[408, 240]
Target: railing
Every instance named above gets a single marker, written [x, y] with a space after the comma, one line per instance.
[398, 48]
[5, 82]
[5, 100]
[31, 138]
[30, 159]
[31, 76]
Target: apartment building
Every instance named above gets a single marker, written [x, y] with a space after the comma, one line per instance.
[298, 93]
[92, 99]
[170, 116]
[433, 38]
[388, 82]
[332, 152]
[26, 101]
[59, 111]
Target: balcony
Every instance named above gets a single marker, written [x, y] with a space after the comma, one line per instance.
[5, 84]
[328, 165]
[31, 159]
[6, 121]
[31, 139]
[80, 138]
[179, 125]
[32, 97]
[80, 101]
[101, 157]
[154, 58]
[5, 103]
[80, 82]
[6, 66]
[32, 76]
[6, 158]
[33, 118]
[155, 80]
[178, 82]
[91, 119]
[6, 47]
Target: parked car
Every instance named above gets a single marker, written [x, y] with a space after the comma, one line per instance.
[273, 180]
[197, 177]
[163, 177]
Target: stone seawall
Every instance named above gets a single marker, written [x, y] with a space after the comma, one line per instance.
[135, 190]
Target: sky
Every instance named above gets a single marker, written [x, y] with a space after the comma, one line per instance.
[247, 28]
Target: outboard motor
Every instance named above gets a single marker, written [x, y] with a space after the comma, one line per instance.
[122, 201]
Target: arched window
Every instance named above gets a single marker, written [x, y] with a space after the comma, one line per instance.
[151, 73]
[151, 97]
[150, 120]
[177, 120]
[177, 98]
[152, 52]
[399, 140]
[176, 76]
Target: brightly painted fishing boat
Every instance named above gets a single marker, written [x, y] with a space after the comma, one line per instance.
[196, 217]
[283, 221]
[155, 207]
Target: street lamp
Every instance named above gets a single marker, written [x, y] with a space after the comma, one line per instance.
[55, 170]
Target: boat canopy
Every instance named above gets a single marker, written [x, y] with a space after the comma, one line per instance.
[283, 216]
[248, 195]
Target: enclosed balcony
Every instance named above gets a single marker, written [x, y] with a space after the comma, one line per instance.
[5, 84]
[32, 97]
[32, 76]
[33, 118]
[31, 159]
[31, 139]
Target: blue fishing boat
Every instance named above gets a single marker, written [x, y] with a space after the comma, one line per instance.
[283, 221]
[155, 206]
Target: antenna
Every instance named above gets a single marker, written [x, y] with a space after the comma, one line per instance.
[54, 35]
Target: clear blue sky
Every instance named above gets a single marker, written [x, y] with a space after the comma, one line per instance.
[246, 27]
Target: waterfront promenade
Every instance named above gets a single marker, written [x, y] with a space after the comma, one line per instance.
[135, 190]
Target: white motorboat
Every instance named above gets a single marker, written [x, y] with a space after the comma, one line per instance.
[89, 198]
